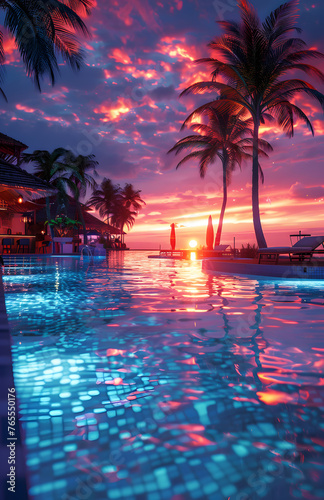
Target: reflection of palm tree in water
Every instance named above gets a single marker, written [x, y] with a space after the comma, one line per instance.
[226, 376]
[255, 342]
[115, 260]
[230, 364]
[228, 382]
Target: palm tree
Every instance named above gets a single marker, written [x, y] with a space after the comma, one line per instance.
[82, 179]
[254, 59]
[131, 198]
[44, 30]
[104, 198]
[54, 169]
[223, 138]
[122, 216]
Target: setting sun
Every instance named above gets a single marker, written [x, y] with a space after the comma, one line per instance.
[193, 243]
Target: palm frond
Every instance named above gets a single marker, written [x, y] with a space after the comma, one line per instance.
[282, 21]
[42, 29]
[190, 142]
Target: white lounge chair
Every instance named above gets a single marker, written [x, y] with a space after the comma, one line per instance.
[220, 248]
[303, 249]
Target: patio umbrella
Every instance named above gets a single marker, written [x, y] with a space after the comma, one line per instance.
[172, 237]
[210, 234]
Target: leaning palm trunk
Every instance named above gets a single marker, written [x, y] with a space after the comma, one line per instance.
[221, 217]
[255, 189]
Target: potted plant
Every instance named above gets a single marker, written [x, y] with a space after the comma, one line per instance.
[63, 225]
[63, 229]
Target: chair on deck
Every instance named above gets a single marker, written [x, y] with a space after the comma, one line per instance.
[45, 246]
[7, 245]
[23, 244]
[220, 248]
[303, 249]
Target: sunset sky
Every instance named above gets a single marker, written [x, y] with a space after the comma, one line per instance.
[124, 107]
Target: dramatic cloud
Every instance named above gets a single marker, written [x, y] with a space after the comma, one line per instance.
[297, 190]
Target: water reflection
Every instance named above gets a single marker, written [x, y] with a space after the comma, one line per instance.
[160, 381]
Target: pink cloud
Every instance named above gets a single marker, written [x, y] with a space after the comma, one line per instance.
[172, 47]
[297, 190]
[120, 55]
[10, 50]
[113, 111]
[128, 11]
[27, 109]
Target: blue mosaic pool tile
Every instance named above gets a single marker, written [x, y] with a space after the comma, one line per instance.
[157, 393]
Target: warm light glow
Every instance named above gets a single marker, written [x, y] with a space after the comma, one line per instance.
[20, 200]
[193, 256]
[193, 243]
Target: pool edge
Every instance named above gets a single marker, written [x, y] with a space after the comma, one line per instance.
[7, 381]
[265, 271]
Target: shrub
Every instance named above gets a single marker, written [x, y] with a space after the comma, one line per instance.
[249, 252]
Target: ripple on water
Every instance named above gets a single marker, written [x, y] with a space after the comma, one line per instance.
[142, 378]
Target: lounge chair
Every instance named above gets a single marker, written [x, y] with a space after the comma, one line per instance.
[220, 248]
[303, 249]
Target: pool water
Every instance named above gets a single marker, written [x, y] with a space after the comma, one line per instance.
[148, 379]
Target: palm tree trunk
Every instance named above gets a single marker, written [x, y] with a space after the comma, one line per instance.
[121, 235]
[221, 217]
[85, 236]
[48, 215]
[255, 188]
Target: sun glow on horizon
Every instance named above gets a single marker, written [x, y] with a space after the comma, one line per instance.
[193, 243]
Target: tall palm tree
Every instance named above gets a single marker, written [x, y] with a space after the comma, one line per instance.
[55, 170]
[82, 179]
[131, 198]
[224, 137]
[253, 60]
[44, 30]
[104, 198]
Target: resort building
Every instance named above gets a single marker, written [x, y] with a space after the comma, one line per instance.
[23, 227]
[17, 189]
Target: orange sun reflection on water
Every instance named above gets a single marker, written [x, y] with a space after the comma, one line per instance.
[193, 256]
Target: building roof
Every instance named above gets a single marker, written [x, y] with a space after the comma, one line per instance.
[93, 222]
[10, 148]
[9, 141]
[20, 182]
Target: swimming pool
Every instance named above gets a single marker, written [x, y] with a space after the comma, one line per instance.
[148, 379]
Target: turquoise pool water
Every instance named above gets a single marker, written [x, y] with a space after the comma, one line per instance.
[148, 379]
